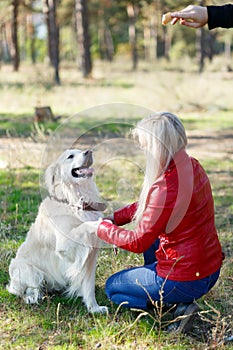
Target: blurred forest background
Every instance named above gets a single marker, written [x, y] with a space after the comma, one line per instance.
[81, 31]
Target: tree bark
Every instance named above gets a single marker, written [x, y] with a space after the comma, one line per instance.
[14, 33]
[200, 49]
[167, 43]
[227, 50]
[154, 43]
[5, 44]
[31, 37]
[50, 11]
[201, 44]
[132, 12]
[82, 28]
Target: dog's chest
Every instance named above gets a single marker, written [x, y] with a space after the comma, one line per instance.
[54, 209]
[87, 215]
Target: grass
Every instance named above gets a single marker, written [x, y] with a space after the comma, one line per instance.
[205, 105]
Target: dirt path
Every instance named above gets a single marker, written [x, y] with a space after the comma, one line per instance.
[20, 152]
[211, 145]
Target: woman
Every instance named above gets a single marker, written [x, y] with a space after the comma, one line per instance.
[174, 226]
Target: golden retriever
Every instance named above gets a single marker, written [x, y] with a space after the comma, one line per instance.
[55, 255]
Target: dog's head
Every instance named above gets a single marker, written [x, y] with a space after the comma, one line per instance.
[71, 175]
[75, 165]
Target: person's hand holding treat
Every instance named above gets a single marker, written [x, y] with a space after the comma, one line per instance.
[190, 16]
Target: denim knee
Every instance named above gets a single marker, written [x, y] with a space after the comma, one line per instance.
[109, 286]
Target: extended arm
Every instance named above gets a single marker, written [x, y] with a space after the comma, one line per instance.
[153, 222]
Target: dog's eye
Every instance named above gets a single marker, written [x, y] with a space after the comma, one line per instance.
[70, 156]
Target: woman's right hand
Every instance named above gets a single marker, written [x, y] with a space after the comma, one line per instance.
[191, 16]
[109, 218]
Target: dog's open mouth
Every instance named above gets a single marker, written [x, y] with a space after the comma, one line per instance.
[82, 172]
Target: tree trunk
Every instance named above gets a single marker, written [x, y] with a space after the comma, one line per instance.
[23, 51]
[109, 44]
[106, 47]
[154, 39]
[147, 41]
[132, 12]
[5, 44]
[200, 49]
[82, 28]
[50, 11]
[31, 36]
[227, 49]
[200, 44]
[167, 43]
[14, 33]
[209, 44]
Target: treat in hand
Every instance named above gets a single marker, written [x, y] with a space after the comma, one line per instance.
[166, 18]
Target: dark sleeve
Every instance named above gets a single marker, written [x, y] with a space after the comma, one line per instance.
[220, 16]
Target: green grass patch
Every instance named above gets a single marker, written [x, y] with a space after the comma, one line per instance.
[216, 120]
[58, 323]
[20, 198]
[14, 125]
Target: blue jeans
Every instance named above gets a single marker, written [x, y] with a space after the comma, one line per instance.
[134, 287]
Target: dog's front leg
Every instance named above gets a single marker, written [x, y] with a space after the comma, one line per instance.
[98, 309]
[88, 285]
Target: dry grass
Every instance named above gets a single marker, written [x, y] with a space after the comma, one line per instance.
[151, 86]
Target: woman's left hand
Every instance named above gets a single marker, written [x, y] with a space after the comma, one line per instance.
[90, 227]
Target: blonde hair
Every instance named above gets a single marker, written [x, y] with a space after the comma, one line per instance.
[163, 135]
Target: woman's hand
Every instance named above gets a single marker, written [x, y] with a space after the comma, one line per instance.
[86, 234]
[109, 218]
[191, 16]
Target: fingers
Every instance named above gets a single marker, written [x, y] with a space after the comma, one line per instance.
[191, 16]
[190, 24]
[187, 13]
[180, 16]
[174, 21]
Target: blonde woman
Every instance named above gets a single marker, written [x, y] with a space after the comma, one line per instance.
[174, 226]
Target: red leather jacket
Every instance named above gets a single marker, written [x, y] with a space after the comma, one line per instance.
[180, 212]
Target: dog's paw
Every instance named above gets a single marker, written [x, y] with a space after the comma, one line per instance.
[99, 309]
[31, 296]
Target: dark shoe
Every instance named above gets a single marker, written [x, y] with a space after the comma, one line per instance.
[184, 316]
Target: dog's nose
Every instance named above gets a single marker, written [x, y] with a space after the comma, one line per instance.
[87, 158]
[87, 152]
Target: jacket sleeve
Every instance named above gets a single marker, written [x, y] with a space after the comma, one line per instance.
[220, 16]
[153, 222]
[125, 215]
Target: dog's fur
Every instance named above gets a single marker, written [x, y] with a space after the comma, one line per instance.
[55, 255]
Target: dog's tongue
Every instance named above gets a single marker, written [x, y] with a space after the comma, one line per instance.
[86, 171]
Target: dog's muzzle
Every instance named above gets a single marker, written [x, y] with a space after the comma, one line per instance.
[84, 170]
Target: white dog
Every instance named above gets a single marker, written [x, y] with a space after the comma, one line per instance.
[56, 256]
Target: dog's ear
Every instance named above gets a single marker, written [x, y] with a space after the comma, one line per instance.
[52, 176]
